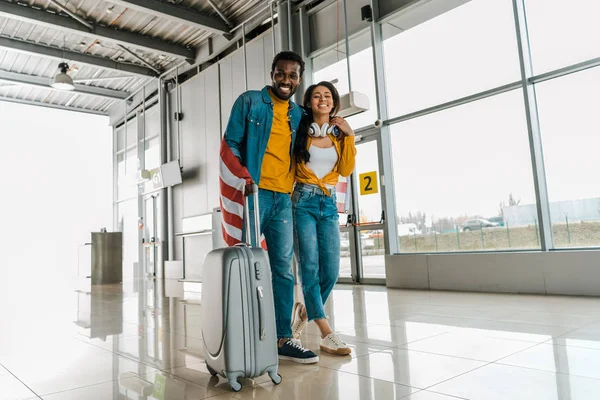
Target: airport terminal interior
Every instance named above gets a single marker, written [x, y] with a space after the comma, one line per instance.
[469, 228]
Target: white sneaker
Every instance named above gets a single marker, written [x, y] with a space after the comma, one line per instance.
[298, 324]
[333, 344]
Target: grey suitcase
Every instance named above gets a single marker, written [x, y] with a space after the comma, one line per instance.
[238, 312]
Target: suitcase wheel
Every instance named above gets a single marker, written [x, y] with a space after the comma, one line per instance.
[275, 378]
[235, 385]
[211, 371]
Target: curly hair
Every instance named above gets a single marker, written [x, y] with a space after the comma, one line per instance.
[288, 56]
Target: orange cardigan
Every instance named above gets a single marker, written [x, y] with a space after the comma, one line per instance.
[346, 151]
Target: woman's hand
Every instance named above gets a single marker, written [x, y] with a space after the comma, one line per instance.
[342, 125]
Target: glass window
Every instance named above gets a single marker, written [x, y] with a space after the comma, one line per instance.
[569, 122]
[345, 259]
[152, 153]
[128, 224]
[130, 132]
[562, 33]
[152, 159]
[126, 170]
[469, 162]
[332, 65]
[369, 197]
[467, 50]
[372, 247]
[120, 138]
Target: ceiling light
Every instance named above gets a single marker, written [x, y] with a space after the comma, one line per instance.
[62, 81]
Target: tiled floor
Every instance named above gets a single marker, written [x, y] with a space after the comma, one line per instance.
[142, 340]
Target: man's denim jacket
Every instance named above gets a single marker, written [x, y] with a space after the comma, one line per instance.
[249, 128]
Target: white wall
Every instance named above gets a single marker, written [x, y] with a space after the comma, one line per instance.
[56, 188]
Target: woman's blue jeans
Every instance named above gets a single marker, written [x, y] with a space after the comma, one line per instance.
[317, 245]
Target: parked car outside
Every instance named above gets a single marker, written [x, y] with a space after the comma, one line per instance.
[409, 229]
[478, 224]
[366, 241]
[498, 220]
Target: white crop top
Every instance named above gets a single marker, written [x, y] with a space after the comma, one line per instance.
[322, 161]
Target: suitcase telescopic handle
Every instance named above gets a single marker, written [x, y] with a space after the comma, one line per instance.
[254, 196]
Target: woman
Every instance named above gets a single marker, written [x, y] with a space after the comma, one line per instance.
[323, 151]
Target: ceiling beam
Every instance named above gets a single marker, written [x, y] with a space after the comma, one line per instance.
[50, 105]
[43, 82]
[177, 13]
[60, 55]
[67, 24]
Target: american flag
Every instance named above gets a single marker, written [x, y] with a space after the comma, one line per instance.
[233, 180]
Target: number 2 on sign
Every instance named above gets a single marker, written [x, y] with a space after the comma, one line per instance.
[368, 183]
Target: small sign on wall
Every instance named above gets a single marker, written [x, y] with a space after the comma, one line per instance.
[368, 183]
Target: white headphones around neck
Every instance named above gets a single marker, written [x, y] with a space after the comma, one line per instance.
[322, 131]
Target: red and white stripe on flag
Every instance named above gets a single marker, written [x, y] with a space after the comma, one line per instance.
[233, 178]
[342, 195]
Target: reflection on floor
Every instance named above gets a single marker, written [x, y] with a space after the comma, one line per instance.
[142, 341]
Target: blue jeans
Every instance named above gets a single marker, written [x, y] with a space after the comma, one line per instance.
[276, 224]
[317, 245]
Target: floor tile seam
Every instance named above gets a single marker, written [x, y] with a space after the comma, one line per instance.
[516, 340]
[417, 351]
[454, 316]
[481, 335]
[377, 379]
[568, 333]
[548, 342]
[172, 332]
[431, 391]
[435, 315]
[400, 327]
[10, 373]
[188, 380]
[76, 388]
[545, 370]
[529, 323]
[580, 347]
[367, 341]
[562, 313]
[473, 359]
[418, 340]
[486, 364]
[498, 361]
[248, 388]
[128, 356]
[354, 358]
[110, 352]
[536, 324]
[591, 323]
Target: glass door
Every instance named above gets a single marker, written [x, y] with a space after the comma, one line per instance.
[362, 229]
[150, 235]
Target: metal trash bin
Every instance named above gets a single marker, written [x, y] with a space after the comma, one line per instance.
[107, 257]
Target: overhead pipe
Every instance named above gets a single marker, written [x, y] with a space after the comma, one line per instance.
[273, 29]
[347, 45]
[218, 11]
[245, 56]
[72, 14]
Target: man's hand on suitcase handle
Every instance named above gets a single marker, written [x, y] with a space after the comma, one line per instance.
[250, 189]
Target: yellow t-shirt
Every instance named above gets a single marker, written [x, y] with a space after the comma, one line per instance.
[277, 173]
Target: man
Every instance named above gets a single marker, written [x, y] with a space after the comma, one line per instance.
[261, 132]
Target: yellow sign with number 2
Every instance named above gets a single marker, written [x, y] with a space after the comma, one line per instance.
[368, 183]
